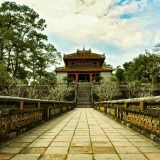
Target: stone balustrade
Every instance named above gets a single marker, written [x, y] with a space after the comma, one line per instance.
[140, 114]
[20, 114]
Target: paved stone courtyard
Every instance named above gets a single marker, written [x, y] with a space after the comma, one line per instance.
[81, 134]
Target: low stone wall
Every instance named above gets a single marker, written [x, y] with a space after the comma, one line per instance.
[20, 114]
[140, 114]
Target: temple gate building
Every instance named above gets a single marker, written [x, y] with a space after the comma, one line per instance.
[83, 66]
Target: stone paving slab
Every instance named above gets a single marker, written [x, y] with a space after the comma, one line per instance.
[53, 157]
[81, 134]
[26, 157]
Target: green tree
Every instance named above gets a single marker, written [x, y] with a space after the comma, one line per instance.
[114, 78]
[18, 23]
[49, 78]
[143, 68]
[24, 48]
[3, 75]
[119, 73]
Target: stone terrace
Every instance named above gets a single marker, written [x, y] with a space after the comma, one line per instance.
[81, 134]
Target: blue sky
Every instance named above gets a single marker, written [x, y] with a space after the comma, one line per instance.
[122, 29]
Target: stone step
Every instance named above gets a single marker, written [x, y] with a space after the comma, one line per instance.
[84, 91]
[84, 95]
[82, 86]
[88, 103]
[83, 102]
[84, 83]
[83, 106]
[80, 89]
[83, 98]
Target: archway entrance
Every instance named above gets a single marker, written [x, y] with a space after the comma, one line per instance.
[83, 78]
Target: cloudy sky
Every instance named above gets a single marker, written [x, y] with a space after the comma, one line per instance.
[122, 29]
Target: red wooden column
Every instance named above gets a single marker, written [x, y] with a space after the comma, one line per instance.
[76, 77]
[90, 78]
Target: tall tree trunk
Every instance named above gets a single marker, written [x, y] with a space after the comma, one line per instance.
[1, 49]
[16, 64]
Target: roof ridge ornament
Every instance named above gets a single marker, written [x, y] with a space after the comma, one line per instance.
[77, 50]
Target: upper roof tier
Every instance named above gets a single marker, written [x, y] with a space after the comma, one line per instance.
[85, 69]
[84, 54]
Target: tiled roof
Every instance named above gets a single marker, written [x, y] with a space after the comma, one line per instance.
[84, 54]
[67, 69]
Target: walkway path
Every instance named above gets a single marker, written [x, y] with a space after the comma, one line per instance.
[82, 134]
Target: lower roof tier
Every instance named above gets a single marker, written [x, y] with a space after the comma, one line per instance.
[76, 69]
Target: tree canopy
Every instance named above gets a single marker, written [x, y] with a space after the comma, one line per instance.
[24, 48]
[144, 69]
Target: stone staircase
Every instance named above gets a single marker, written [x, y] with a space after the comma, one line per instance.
[84, 97]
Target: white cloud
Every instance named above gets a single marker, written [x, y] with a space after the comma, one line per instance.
[83, 20]
[80, 21]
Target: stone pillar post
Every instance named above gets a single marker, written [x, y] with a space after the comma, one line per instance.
[21, 105]
[76, 77]
[90, 78]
